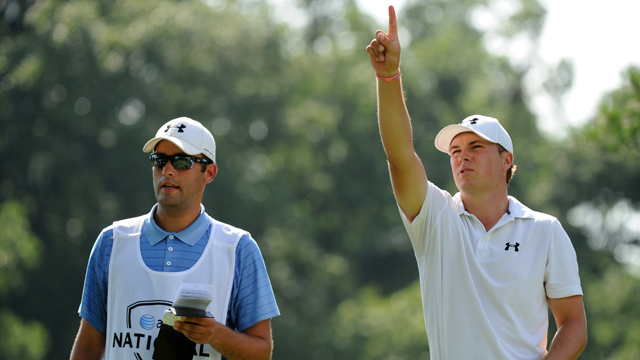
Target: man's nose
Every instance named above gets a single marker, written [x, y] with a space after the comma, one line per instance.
[168, 168]
[464, 156]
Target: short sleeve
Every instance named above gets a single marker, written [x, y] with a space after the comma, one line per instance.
[93, 307]
[436, 203]
[561, 274]
[252, 299]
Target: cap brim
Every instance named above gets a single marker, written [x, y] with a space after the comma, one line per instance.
[188, 149]
[446, 135]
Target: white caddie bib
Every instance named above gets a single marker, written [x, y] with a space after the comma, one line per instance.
[138, 296]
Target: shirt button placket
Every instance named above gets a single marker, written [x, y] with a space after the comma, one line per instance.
[482, 247]
[170, 248]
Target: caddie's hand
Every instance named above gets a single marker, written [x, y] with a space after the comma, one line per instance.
[197, 329]
[384, 50]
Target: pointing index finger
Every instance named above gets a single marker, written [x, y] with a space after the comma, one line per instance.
[393, 23]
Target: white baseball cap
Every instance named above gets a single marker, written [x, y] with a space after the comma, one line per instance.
[486, 127]
[187, 134]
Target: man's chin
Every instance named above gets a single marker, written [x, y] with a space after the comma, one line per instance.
[467, 186]
[167, 202]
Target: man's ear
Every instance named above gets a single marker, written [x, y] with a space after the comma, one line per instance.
[508, 160]
[210, 173]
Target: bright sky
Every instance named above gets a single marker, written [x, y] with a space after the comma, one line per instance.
[599, 37]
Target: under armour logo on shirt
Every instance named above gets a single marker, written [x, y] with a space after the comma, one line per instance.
[512, 245]
[180, 127]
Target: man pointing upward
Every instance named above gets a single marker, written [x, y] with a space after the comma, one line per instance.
[489, 266]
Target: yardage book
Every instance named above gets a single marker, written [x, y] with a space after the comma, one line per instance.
[191, 300]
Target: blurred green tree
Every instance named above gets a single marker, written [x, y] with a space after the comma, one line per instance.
[20, 251]
[372, 326]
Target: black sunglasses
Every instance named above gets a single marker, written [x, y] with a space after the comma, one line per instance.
[179, 162]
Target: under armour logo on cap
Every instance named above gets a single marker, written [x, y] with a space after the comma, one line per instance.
[180, 128]
[516, 245]
[469, 121]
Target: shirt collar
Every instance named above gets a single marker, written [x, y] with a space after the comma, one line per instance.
[516, 209]
[189, 236]
[519, 210]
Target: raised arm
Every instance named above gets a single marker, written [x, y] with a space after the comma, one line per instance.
[408, 176]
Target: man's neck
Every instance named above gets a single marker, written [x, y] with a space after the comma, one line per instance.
[173, 220]
[488, 208]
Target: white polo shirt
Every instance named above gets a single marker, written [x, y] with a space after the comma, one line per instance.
[484, 294]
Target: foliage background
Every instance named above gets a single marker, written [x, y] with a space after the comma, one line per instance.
[290, 98]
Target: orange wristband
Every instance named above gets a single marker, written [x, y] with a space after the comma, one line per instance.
[393, 78]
